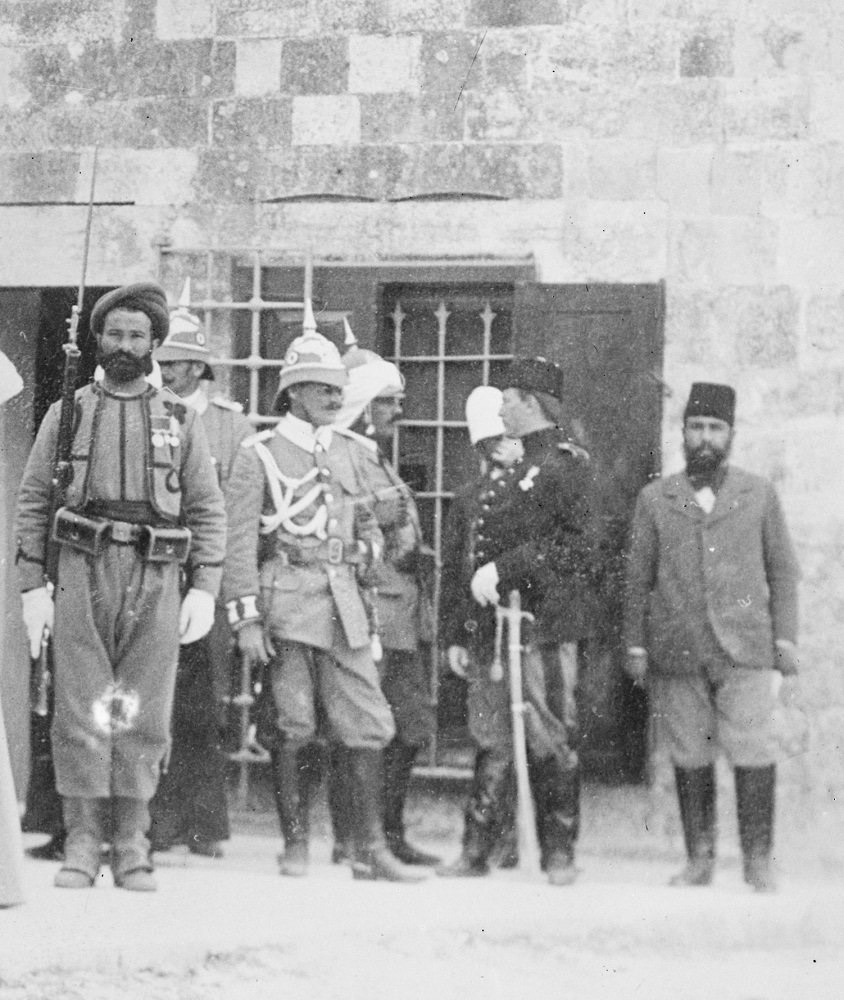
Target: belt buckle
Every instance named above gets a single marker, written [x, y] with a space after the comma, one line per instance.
[123, 531]
[335, 551]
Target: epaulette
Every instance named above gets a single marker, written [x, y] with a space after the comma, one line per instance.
[227, 404]
[573, 449]
[257, 438]
[368, 443]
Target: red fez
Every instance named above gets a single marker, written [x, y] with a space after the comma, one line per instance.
[146, 297]
[707, 399]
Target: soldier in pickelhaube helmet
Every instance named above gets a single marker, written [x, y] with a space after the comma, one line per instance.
[190, 804]
[400, 593]
[143, 501]
[319, 537]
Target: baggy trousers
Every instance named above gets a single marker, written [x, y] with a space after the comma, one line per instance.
[116, 641]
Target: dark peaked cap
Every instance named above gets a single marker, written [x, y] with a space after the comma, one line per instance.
[533, 375]
[146, 297]
[707, 399]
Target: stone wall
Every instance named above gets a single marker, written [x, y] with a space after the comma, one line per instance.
[696, 141]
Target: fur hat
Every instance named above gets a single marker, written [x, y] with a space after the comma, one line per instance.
[146, 297]
[708, 399]
[533, 375]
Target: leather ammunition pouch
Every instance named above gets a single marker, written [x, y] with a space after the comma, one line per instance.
[91, 534]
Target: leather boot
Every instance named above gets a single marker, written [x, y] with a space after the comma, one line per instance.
[398, 767]
[556, 792]
[755, 795]
[291, 786]
[339, 806]
[373, 859]
[480, 820]
[696, 795]
[130, 855]
[53, 850]
[85, 822]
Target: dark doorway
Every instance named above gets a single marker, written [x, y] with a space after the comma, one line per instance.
[55, 311]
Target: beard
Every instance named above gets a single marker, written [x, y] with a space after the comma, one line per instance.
[123, 367]
[705, 460]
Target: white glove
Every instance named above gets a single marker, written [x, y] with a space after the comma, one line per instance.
[196, 616]
[38, 614]
[458, 660]
[485, 585]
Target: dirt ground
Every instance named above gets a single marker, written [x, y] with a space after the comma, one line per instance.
[234, 929]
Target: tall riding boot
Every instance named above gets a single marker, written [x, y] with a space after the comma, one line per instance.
[292, 806]
[130, 856]
[481, 818]
[556, 792]
[373, 859]
[696, 795]
[85, 822]
[755, 794]
[339, 806]
[398, 767]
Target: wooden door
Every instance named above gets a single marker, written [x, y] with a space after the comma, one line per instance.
[608, 340]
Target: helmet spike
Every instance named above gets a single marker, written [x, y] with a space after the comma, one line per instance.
[350, 339]
[308, 321]
[184, 298]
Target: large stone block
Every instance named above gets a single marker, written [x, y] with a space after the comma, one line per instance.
[144, 177]
[455, 62]
[514, 13]
[181, 19]
[407, 118]
[822, 344]
[827, 108]
[737, 180]
[611, 241]
[505, 171]
[228, 175]
[622, 171]
[384, 64]
[48, 22]
[370, 173]
[315, 65]
[724, 251]
[765, 109]
[803, 179]
[13, 94]
[39, 177]
[734, 327]
[122, 248]
[254, 122]
[707, 50]
[359, 16]
[811, 253]
[267, 18]
[258, 66]
[136, 69]
[683, 178]
[326, 121]
[426, 15]
[136, 125]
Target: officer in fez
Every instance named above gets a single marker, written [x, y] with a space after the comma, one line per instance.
[190, 805]
[711, 622]
[537, 538]
[143, 501]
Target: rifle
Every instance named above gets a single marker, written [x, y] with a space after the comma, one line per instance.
[529, 855]
[62, 466]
